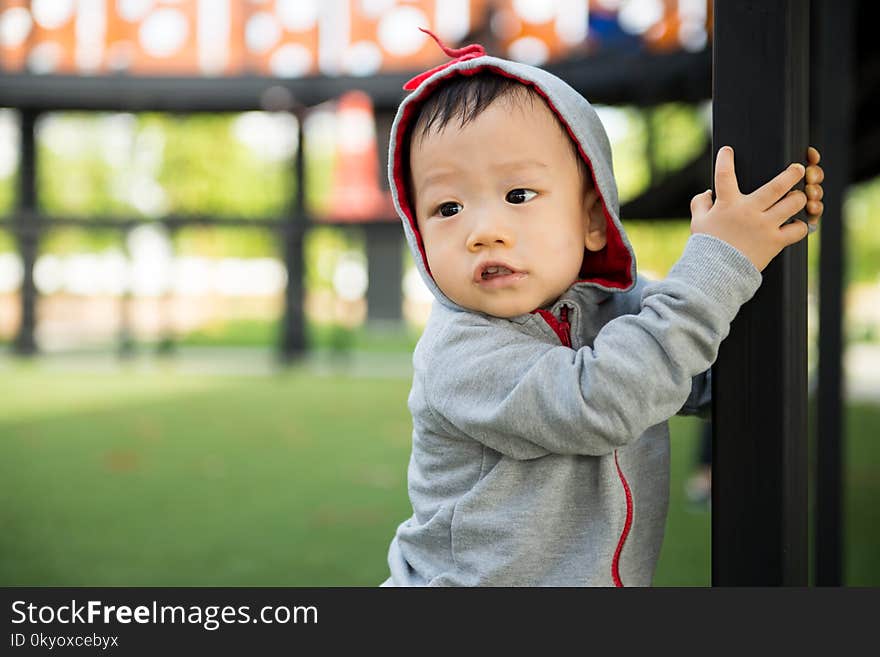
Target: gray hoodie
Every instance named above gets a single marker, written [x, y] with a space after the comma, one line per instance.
[540, 445]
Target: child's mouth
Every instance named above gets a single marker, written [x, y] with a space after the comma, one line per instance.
[494, 272]
[497, 276]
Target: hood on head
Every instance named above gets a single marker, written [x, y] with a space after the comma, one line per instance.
[613, 268]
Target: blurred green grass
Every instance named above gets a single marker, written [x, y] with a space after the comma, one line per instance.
[164, 479]
[262, 333]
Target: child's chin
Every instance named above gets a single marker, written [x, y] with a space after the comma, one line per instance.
[497, 307]
[505, 311]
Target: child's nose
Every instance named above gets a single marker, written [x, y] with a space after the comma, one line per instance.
[489, 232]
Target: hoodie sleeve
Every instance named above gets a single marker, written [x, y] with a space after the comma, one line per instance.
[699, 402]
[527, 398]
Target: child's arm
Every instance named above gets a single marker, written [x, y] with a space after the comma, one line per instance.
[699, 402]
[526, 398]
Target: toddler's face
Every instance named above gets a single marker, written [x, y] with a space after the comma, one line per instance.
[502, 210]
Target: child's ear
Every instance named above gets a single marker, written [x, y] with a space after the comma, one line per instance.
[595, 236]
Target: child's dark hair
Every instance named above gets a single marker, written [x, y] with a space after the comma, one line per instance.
[465, 97]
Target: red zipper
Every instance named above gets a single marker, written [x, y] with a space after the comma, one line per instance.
[564, 326]
[561, 326]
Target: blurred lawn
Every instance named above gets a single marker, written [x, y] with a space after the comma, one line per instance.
[260, 333]
[162, 479]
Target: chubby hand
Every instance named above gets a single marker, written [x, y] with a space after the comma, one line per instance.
[813, 188]
[755, 223]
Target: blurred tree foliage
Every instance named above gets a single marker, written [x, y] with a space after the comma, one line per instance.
[862, 210]
[680, 133]
[324, 247]
[7, 243]
[7, 198]
[658, 244]
[226, 178]
[124, 165]
[678, 138]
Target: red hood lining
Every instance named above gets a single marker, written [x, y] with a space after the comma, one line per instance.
[609, 266]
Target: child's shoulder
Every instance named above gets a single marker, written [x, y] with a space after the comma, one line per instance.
[628, 302]
[454, 335]
[448, 325]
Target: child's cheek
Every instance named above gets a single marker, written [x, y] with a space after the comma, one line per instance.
[564, 249]
[444, 264]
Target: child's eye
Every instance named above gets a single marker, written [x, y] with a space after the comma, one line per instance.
[443, 206]
[520, 195]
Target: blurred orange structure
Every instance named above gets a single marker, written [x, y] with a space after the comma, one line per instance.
[298, 38]
[356, 195]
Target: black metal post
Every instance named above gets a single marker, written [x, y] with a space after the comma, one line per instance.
[759, 479]
[384, 272]
[648, 116]
[293, 336]
[27, 232]
[833, 46]
[384, 242]
[166, 346]
[125, 348]
[384, 120]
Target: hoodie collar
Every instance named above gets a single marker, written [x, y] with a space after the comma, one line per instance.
[613, 268]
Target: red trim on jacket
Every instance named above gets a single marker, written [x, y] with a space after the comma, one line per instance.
[615, 564]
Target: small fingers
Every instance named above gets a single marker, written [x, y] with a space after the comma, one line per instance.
[793, 232]
[790, 205]
[813, 189]
[815, 174]
[701, 204]
[726, 185]
[771, 192]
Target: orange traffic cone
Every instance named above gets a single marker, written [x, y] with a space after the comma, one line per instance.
[355, 190]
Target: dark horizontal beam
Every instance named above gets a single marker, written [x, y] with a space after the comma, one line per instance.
[608, 78]
[637, 78]
[669, 197]
[31, 222]
[176, 94]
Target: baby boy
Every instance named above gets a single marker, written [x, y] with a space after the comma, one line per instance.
[548, 369]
